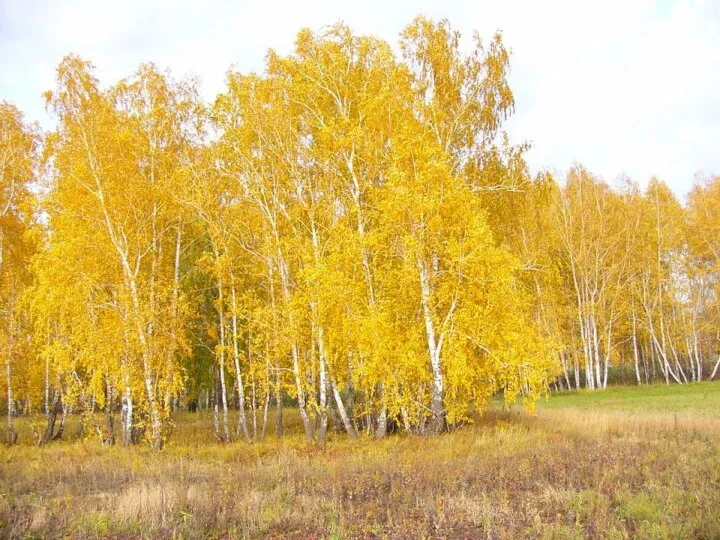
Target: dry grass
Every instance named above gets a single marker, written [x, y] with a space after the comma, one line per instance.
[566, 473]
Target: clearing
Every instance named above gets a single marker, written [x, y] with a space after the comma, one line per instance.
[623, 462]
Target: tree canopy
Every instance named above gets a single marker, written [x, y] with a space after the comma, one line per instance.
[349, 230]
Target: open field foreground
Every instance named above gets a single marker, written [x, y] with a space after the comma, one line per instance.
[587, 465]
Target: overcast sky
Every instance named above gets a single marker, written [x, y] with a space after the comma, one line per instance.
[627, 86]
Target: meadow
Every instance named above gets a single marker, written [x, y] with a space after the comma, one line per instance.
[626, 462]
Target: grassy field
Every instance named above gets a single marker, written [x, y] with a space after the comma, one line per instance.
[625, 462]
[695, 399]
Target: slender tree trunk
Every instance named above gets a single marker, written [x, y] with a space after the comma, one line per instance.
[149, 336]
[319, 333]
[156, 423]
[663, 334]
[302, 409]
[172, 350]
[279, 426]
[223, 397]
[437, 409]
[242, 418]
[715, 369]
[635, 349]
[605, 369]
[698, 356]
[691, 359]
[596, 352]
[381, 420]
[406, 419]
[11, 433]
[657, 363]
[346, 421]
[253, 402]
[47, 385]
[266, 408]
[279, 431]
[322, 432]
[563, 363]
[653, 359]
[589, 356]
[51, 417]
[681, 371]
[61, 429]
[607, 354]
[578, 385]
[295, 353]
[675, 356]
[109, 432]
[216, 405]
[126, 416]
[661, 351]
[221, 356]
[10, 429]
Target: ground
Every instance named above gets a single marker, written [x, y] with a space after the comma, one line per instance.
[641, 462]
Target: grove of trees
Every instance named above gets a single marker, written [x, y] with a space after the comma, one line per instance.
[349, 231]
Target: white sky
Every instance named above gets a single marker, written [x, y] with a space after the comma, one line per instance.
[627, 86]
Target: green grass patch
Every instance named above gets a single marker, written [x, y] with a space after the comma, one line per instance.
[699, 398]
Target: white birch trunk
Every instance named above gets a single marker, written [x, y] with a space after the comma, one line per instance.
[635, 349]
[223, 388]
[436, 407]
[563, 363]
[279, 427]
[242, 419]
[381, 420]
[322, 432]
[715, 369]
[347, 423]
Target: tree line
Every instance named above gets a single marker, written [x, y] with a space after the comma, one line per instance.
[350, 231]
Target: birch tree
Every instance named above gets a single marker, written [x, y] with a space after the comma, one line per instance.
[19, 144]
